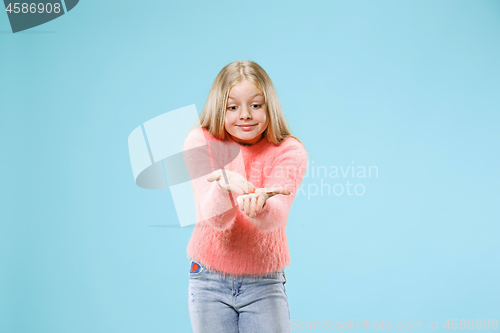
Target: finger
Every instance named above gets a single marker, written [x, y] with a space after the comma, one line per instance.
[278, 190]
[247, 205]
[260, 203]
[235, 189]
[248, 187]
[253, 202]
[244, 187]
[240, 200]
[213, 176]
[251, 187]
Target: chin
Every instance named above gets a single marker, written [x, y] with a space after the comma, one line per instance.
[247, 134]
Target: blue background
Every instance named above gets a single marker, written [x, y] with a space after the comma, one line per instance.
[412, 87]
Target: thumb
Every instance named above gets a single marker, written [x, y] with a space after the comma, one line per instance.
[275, 190]
[213, 176]
[282, 190]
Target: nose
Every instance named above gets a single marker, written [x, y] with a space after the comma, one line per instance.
[245, 113]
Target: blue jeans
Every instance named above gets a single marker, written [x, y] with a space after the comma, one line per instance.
[234, 304]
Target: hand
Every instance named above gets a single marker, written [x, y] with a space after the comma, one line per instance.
[231, 181]
[253, 203]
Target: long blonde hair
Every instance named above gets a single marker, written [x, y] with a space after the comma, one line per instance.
[214, 112]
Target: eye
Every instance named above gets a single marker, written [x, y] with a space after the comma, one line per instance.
[258, 105]
[231, 108]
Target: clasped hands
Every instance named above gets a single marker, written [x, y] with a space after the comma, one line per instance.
[251, 199]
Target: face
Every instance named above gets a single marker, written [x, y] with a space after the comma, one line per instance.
[246, 106]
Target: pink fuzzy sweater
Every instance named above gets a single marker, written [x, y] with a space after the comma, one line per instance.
[224, 238]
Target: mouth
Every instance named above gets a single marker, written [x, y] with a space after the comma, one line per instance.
[246, 127]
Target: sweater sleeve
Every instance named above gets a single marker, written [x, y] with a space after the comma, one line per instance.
[214, 205]
[287, 170]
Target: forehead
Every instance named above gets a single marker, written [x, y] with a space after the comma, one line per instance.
[257, 94]
[245, 89]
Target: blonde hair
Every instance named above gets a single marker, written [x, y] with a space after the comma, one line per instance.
[214, 112]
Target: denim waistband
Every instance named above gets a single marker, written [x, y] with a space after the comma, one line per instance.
[224, 275]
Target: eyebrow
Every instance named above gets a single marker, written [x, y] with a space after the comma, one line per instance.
[250, 96]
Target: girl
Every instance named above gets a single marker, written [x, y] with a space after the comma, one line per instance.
[246, 169]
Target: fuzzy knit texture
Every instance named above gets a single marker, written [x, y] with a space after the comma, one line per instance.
[225, 239]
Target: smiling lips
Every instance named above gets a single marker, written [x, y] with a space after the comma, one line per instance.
[246, 127]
